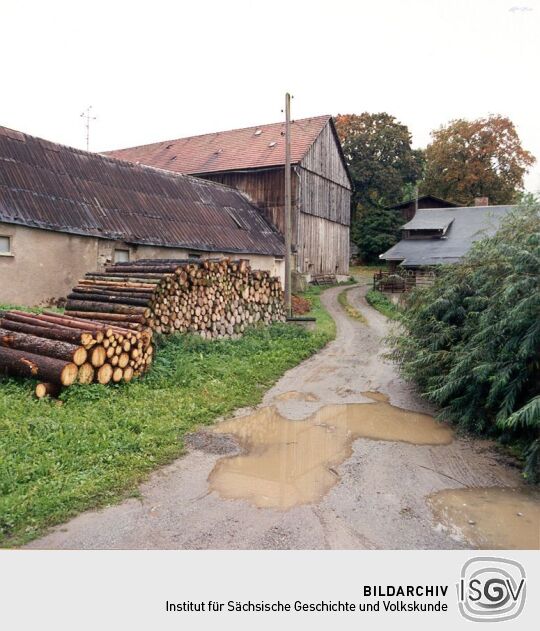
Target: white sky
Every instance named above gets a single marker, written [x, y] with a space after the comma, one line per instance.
[157, 70]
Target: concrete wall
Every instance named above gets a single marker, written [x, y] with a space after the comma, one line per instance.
[44, 265]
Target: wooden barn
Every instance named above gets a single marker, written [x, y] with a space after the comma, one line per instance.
[252, 160]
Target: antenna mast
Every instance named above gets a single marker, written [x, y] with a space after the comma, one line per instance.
[88, 117]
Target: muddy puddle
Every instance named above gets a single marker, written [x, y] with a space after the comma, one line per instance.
[286, 463]
[490, 518]
[294, 395]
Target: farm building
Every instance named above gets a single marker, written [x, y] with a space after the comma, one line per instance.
[64, 212]
[408, 208]
[436, 236]
[252, 160]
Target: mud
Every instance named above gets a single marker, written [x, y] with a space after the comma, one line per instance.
[286, 463]
[490, 518]
[294, 395]
[212, 443]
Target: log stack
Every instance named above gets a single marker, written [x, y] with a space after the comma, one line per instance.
[106, 333]
[212, 298]
[60, 350]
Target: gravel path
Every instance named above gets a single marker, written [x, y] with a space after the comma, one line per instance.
[378, 501]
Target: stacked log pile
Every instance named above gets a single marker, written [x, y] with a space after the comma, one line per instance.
[106, 333]
[60, 350]
[212, 298]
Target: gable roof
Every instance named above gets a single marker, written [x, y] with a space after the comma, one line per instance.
[465, 226]
[256, 147]
[53, 187]
[423, 198]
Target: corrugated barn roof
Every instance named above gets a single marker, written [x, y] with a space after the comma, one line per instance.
[466, 225]
[257, 147]
[50, 186]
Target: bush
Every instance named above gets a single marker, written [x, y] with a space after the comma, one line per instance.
[472, 339]
[375, 231]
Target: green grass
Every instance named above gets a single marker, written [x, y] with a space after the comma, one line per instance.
[380, 302]
[348, 308]
[364, 273]
[325, 325]
[94, 445]
[5, 307]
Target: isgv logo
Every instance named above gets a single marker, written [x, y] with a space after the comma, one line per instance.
[491, 589]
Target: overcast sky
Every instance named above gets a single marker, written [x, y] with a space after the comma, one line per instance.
[158, 70]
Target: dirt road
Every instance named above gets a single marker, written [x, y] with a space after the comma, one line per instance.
[334, 488]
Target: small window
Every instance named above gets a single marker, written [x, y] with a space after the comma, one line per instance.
[121, 256]
[193, 255]
[5, 245]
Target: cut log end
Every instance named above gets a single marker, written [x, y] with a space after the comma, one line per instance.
[47, 390]
[105, 374]
[86, 373]
[69, 374]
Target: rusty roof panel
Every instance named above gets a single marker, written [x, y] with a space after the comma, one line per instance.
[45, 185]
[257, 147]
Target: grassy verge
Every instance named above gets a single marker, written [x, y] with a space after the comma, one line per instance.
[5, 307]
[93, 447]
[325, 325]
[348, 308]
[380, 302]
[364, 273]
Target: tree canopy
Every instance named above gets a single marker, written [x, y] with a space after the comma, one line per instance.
[379, 155]
[480, 158]
[374, 231]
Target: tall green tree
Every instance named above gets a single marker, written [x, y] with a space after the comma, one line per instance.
[471, 341]
[479, 158]
[379, 155]
[374, 231]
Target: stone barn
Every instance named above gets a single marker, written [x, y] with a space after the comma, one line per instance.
[64, 212]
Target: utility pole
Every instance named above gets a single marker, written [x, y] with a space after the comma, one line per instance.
[288, 226]
[87, 117]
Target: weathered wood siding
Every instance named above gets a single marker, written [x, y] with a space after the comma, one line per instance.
[324, 247]
[323, 198]
[321, 195]
[324, 204]
[324, 158]
[265, 188]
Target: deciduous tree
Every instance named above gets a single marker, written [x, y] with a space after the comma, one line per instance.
[480, 158]
[380, 158]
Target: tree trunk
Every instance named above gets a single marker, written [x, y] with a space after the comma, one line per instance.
[113, 317]
[43, 346]
[22, 364]
[111, 298]
[73, 336]
[103, 307]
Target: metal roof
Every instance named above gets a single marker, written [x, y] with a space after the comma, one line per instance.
[50, 186]
[429, 220]
[467, 225]
[256, 147]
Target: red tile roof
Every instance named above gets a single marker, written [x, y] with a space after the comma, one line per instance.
[248, 148]
[53, 187]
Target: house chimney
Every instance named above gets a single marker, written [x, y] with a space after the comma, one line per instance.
[481, 201]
